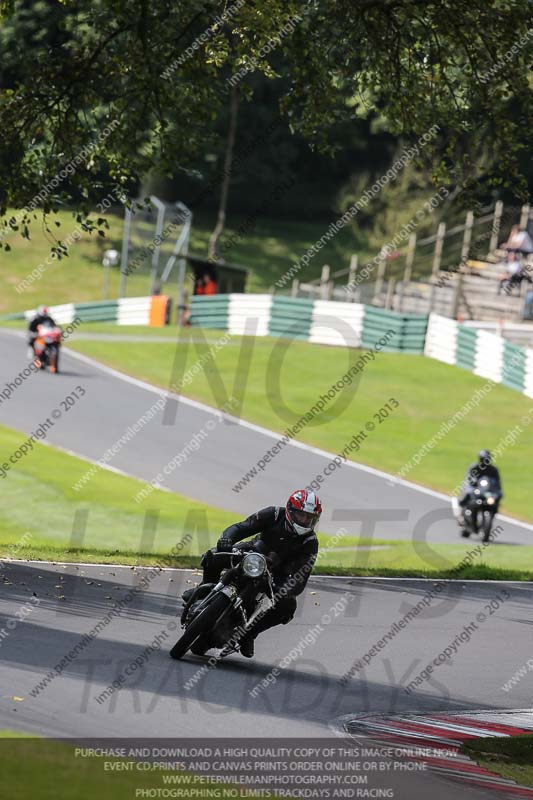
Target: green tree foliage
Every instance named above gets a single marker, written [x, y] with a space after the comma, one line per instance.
[275, 173]
[159, 72]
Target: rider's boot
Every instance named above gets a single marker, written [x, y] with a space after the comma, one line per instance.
[247, 646]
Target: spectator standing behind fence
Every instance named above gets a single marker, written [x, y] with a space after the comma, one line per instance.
[519, 240]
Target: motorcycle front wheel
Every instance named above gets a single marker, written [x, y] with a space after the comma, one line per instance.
[203, 623]
[468, 524]
[53, 360]
[487, 525]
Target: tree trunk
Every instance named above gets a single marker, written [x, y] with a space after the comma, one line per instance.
[213, 254]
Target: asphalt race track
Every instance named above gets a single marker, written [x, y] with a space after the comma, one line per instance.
[64, 602]
[381, 507]
[306, 700]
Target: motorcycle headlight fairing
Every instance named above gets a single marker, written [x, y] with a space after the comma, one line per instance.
[254, 565]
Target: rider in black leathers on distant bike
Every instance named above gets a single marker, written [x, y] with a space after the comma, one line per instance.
[483, 468]
[286, 534]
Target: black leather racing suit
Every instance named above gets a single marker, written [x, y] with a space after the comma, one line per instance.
[295, 558]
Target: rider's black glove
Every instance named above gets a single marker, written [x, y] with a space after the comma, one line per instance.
[224, 545]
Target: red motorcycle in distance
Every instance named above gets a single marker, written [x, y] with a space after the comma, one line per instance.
[46, 347]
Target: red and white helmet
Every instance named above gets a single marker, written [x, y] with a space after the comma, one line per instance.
[303, 511]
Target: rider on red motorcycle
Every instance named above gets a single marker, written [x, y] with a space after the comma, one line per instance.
[42, 317]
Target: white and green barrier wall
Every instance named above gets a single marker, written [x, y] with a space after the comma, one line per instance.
[485, 354]
[355, 325]
[317, 321]
[125, 311]
[325, 322]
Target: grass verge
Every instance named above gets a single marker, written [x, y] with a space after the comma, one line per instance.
[280, 380]
[268, 250]
[42, 517]
[512, 757]
[45, 769]
[38, 499]
[374, 569]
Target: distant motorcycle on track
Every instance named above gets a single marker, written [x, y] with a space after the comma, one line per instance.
[218, 615]
[46, 347]
[480, 509]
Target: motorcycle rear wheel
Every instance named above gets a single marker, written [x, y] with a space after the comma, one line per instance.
[203, 623]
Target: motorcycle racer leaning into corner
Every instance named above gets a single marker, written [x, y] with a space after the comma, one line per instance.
[288, 536]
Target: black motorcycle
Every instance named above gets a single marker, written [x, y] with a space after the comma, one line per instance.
[219, 615]
[479, 512]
